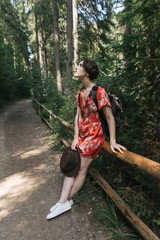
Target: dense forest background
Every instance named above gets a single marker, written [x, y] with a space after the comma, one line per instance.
[40, 43]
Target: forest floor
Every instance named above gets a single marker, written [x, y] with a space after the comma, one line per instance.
[31, 181]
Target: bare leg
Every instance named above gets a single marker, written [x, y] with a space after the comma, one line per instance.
[72, 185]
[67, 186]
[80, 179]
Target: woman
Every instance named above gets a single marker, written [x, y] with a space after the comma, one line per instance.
[88, 134]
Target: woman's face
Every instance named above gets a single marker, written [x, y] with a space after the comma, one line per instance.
[80, 72]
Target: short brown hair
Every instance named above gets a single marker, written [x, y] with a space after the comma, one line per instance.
[91, 68]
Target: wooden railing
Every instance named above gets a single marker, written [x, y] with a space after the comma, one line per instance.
[138, 161]
[39, 106]
[143, 163]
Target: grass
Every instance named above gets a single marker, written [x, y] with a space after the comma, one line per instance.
[104, 213]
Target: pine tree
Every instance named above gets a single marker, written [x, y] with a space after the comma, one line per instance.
[57, 45]
[69, 48]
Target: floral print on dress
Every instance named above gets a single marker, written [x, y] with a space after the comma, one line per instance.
[91, 135]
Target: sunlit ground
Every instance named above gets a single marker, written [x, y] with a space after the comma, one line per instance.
[29, 153]
[18, 187]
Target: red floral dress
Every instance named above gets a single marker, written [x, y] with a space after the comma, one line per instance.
[91, 135]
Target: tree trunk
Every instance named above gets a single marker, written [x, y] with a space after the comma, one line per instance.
[69, 48]
[37, 41]
[45, 52]
[45, 55]
[57, 45]
[41, 54]
[75, 31]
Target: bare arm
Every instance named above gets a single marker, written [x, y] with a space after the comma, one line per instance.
[112, 130]
[78, 117]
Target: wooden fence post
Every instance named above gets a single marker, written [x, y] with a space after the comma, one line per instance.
[50, 117]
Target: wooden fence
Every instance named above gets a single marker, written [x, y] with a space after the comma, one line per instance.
[144, 164]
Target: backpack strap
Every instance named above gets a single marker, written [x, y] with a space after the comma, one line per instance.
[94, 98]
[79, 96]
[94, 94]
[115, 106]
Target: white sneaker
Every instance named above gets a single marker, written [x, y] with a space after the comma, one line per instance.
[60, 208]
[54, 207]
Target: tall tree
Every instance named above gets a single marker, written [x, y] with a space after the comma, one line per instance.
[69, 48]
[37, 38]
[75, 31]
[14, 54]
[57, 45]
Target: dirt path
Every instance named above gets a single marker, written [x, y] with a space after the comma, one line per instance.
[30, 182]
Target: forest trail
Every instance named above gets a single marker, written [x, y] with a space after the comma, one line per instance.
[30, 182]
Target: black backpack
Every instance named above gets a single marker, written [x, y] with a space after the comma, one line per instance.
[116, 107]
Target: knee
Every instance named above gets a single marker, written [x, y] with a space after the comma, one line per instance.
[82, 172]
[84, 166]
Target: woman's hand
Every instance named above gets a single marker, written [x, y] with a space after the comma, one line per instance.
[115, 146]
[74, 144]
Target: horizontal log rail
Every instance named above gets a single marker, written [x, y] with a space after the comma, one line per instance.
[143, 229]
[142, 163]
[65, 123]
[145, 164]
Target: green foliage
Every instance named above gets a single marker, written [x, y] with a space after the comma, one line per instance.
[126, 49]
[37, 83]
[157, 221]
[138, 201]
[139, 77]
[18, 34]
[14, 56]
[107, 215]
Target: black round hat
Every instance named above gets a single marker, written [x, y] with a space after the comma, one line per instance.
[70, 162]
